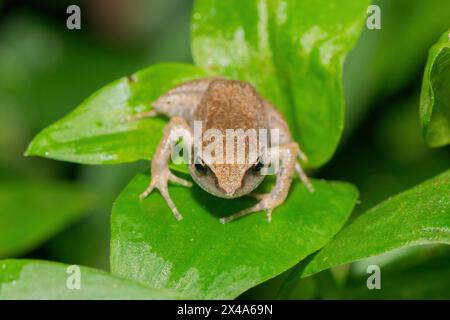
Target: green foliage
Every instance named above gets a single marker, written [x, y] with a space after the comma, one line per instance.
[435, 96]
[417, 216]
[37, 54]
[385, 60]
[429, 280]
[291, 51]
[205, 259]
[419, 278]
[294, 61]
[42, 280]
[420, 272]
[95, 133]
[31, 213]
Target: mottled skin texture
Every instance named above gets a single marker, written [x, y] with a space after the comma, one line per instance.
[223, 104]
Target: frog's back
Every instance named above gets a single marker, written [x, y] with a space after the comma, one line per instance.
[229, 104]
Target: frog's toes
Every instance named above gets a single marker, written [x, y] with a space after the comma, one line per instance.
[183, 182]
[303, 177]
[147, 191]
[161, 184]
[140, 115]
[266, 204]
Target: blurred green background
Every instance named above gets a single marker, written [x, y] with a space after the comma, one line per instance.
[46, 70]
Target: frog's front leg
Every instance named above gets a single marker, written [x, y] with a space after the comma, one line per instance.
[288, 163]
[160, 172]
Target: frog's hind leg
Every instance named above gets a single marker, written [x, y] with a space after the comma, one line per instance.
[303, 177]
[277, 122]
[301, 155]
[161, 174]
[141, 115]
[182, 100]
[300, 172]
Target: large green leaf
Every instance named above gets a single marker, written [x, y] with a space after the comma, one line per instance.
[420, 272]
[43, 280]
[205, 259]
[32, 212]
[418, 216]
[96, 133]
[292, 51]
[435, 95]
[418, 278]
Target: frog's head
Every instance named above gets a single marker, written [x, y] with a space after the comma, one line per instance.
[227, 180]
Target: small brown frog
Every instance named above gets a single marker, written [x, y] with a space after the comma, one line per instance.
[223, 104]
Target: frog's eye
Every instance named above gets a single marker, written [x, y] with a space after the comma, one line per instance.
[258, 166]
[201, 167]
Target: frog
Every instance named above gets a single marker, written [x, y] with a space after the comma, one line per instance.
[221, 104]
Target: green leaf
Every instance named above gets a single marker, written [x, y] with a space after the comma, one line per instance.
[435, 95]
[96, 133]
[32, 212]
[291, 51]
[420, 272]
[200, 257]
[417, 216]
[374, 69]
[43, 280]
[428, 279]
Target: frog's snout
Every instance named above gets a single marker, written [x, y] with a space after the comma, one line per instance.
[229, 190]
